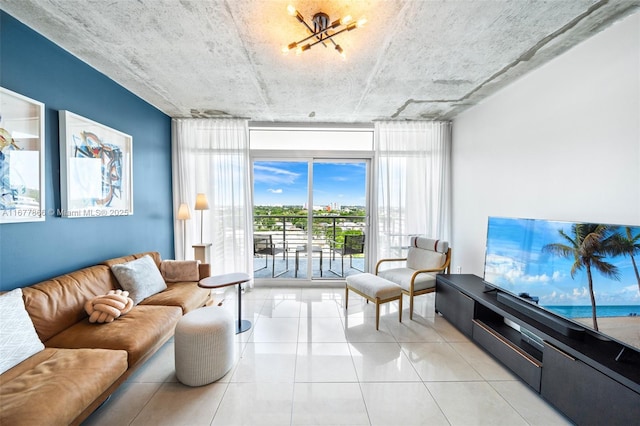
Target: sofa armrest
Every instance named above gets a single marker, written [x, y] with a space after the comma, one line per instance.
[205, 270]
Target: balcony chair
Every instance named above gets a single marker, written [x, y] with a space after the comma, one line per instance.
[353, 244]
[263, 245]
[426, 258]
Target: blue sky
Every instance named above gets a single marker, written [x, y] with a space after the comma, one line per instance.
[286, 183]
[514, 260]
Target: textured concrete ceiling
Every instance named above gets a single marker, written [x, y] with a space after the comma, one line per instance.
[412, 60]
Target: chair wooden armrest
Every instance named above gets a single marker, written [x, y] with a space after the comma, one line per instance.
[425, 271]
[388, 260]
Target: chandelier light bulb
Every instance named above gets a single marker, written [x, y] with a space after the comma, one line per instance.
[292, 10]
[345, 20]
[361, 22]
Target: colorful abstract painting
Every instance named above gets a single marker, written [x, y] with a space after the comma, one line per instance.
[96, 169]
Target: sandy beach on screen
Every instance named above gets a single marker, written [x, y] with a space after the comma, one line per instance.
[625, 329]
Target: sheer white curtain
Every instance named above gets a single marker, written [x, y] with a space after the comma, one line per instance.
[413, 175]
[211, 156]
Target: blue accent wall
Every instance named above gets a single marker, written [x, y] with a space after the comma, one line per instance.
[31, 252]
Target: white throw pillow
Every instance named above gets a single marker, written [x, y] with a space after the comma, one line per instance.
[140, 277]
[18, 337]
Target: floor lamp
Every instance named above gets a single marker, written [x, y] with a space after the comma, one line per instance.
[201, 204]
[184, 215]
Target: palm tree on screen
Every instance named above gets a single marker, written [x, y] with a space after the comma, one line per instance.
[589, 244]
[630, 245]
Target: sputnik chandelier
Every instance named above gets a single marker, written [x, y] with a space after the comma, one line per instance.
[323, 31]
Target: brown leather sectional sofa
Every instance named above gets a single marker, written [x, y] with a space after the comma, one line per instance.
[83, 363]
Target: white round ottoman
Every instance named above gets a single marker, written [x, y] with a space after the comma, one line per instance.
[204, 345]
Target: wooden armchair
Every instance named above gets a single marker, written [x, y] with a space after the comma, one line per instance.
[426, 258]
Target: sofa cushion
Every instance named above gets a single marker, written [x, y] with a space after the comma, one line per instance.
[186, 295]
[140, 332]
[55, 386]
[174, 271]
[18, 338]
[56, 304]
[140, 277]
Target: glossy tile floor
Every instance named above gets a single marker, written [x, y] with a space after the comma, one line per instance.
[304, 362]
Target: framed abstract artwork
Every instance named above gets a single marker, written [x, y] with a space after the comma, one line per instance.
[22, 190]
[96, 169]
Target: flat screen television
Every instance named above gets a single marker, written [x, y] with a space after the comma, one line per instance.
[584, 272]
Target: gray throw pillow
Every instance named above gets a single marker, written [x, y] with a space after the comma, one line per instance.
[140, 277]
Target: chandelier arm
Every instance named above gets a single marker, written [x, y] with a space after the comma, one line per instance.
[308, 27]
[315, 35]
[329, 37]
[322, 40]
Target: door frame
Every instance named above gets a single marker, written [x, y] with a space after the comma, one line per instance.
[310, 156]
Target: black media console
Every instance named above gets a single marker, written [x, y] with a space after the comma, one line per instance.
[592, 380]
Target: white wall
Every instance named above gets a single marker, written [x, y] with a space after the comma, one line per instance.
[562, 142]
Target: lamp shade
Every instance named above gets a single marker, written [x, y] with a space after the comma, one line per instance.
[201, 202]
[183, 212]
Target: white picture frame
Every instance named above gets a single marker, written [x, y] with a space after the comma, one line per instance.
[22, 158]
[96, 169]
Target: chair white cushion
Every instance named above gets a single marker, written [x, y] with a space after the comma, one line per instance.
[402, 276]
[418, 258]
[140, 277]
[18, 337]
[373, 286]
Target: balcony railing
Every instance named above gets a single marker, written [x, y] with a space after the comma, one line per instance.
[290, 231]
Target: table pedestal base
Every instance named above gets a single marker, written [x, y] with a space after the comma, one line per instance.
[242, 326]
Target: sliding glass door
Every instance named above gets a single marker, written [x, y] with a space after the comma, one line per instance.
[310, 218]
[339, 214]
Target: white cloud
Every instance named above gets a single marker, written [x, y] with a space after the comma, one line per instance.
[275, 191]
[580, 292]
[274, 175]
[513, 271]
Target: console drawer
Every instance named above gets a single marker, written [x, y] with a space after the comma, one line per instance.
[520, 362]
[455, 306]
[585, 395]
